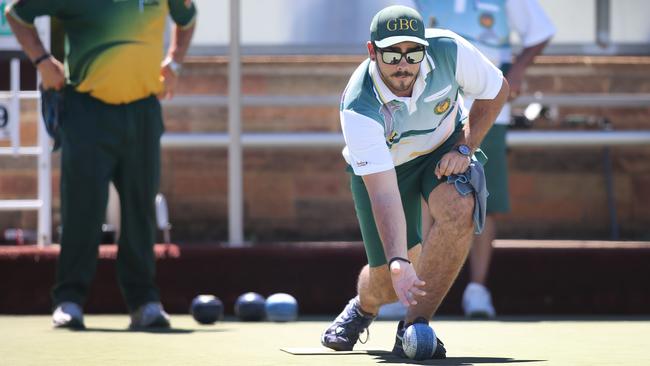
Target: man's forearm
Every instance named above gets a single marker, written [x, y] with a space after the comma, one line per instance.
[388, 212]
[528, 54]
[391, 224]
[180, 42]
[27, 37]
[482, 116]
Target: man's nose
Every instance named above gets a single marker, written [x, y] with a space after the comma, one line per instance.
[402, 62]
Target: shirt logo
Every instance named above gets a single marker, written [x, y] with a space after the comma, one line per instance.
[361, 163]
[442, 107]
[486, 20]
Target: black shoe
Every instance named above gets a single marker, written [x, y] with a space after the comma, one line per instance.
[398, 349]
[344, 332]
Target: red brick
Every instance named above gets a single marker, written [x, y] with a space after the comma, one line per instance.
[322, 186]
[18, 185]
[521, 185]
[269, 195]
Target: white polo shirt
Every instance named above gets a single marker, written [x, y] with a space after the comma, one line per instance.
[382, 130]
[487, 24]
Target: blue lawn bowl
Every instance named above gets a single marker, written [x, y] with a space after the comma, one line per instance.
[250, 307]
[206, 309]
[281, 307]
[419, 341]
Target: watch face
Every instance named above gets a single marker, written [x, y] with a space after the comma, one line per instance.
[175, 66]
[464, 149]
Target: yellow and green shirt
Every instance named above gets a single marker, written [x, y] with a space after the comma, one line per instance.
[113, 47]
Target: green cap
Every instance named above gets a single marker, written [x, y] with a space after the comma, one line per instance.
[396, 24]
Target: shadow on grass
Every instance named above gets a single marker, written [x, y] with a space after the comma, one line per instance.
[504, 318]
[152, 331]
[327, 352]
[387, 357]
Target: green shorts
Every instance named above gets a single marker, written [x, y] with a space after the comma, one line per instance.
[416, 180]
[496, 170]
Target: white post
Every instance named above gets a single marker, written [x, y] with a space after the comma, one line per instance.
[235, 186]
[44, 180]
[602, 23]
[14, 106]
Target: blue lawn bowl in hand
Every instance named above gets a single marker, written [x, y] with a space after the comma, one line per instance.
[250, 307]
[206, 309]
[419, 341]
[281, 307]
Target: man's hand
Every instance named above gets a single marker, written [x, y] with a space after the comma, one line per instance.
[406, 282]
[169, 80]
[452, 162]
[52, 73]
[51, 70]
[517, 71]
[515, 79]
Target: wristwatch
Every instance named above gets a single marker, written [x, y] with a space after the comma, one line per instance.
[464, 150]
[176, 67]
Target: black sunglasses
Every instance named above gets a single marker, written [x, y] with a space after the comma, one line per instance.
[394, 57]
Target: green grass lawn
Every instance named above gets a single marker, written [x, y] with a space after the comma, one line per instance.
[30, 340]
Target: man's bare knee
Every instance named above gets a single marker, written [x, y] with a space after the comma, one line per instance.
[448, 206]
[461, 209]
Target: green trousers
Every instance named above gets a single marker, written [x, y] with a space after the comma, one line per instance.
[103, 143]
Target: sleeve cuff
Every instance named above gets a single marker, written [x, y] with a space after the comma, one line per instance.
[16, 17]
[371, 169]
[494, 90]
[538, 38]
[189, 24]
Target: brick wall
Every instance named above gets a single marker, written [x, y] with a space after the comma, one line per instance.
[303, 194]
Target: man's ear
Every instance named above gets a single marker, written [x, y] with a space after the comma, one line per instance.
[371, 51]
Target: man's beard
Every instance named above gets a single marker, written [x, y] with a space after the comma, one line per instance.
[403, 84]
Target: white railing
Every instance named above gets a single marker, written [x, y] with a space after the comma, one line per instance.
[43, 203]
[335, 140]
[21, 151]
[550, 139]
[20, 205]
[577, 100]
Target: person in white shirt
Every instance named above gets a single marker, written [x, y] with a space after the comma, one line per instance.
[410, 138]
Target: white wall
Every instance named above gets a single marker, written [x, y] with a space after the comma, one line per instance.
[331, 22]
[212, 22]
[575, 20]
[629, 21]
[268, 22]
